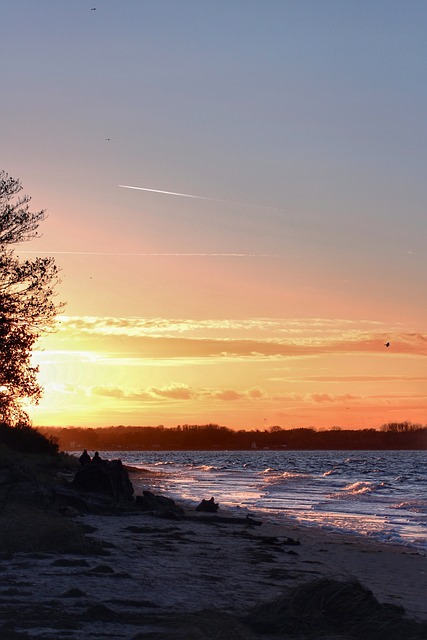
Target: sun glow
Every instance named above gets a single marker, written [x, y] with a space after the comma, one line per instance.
[99, 371]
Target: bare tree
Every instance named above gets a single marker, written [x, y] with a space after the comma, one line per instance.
[27, 309]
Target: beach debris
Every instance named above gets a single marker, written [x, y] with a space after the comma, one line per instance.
[208, 505]
[161, 506]
[248, 521]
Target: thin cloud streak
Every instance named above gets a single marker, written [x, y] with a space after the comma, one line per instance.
[155, 255]
[188, 195]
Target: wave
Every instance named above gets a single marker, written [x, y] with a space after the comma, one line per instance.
[411, 505]
[162, 463]
[332, 472]
[357, 488]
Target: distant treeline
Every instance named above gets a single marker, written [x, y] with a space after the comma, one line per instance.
[393, 435]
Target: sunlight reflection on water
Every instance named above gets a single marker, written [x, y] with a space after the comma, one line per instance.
[372, 493]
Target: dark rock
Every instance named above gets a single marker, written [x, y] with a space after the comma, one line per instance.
[120, 478]
[68, 499]
[161, 505]
[93, 479]
[108, 478]
[209, 506]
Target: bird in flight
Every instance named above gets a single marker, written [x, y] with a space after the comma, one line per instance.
[387, 344]
[93, 9]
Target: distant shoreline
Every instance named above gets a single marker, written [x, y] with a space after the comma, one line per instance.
[395, 437]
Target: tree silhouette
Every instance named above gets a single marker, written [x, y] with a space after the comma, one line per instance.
[27, 309]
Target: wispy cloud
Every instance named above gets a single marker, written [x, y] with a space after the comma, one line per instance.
[152, 255]
[333, 398]
[367, 378]
[180, 393]
[302, 331]
[175, 392]
[257, 339]
[160, 338]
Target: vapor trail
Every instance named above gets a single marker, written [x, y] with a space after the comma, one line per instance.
[188, 195]
[169, 193]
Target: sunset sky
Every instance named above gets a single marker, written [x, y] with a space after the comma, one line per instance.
[266, 298]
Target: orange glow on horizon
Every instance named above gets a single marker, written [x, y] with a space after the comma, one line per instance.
[239, 374]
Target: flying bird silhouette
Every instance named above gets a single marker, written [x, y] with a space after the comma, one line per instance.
[387, 344]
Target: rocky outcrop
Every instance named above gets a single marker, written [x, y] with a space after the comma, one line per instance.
[209, 506]
[108, 478]
[101, 486]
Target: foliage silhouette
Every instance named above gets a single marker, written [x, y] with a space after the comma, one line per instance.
[215, 437]
[27, 309]
[25, 439]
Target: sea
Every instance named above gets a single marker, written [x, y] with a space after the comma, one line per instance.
[375, 494]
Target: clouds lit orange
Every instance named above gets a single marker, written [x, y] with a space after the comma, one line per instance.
[242, 374]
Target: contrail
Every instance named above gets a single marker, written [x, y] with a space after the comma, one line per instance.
[170, 193]
[188, 195]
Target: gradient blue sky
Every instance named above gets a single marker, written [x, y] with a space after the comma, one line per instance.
[305, 124]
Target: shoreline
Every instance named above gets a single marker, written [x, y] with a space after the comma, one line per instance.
[396, 574]
[190, 576]
[361, 495]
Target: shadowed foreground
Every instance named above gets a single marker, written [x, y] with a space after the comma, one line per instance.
[134, 572]
[323, 610]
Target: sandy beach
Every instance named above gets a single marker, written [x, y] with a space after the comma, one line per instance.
[190, 577]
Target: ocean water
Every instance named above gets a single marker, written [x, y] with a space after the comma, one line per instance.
[377, 494]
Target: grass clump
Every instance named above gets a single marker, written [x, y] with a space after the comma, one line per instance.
[27, 439]
[331, 609]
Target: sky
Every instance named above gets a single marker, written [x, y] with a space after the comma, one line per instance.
[266, 298]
